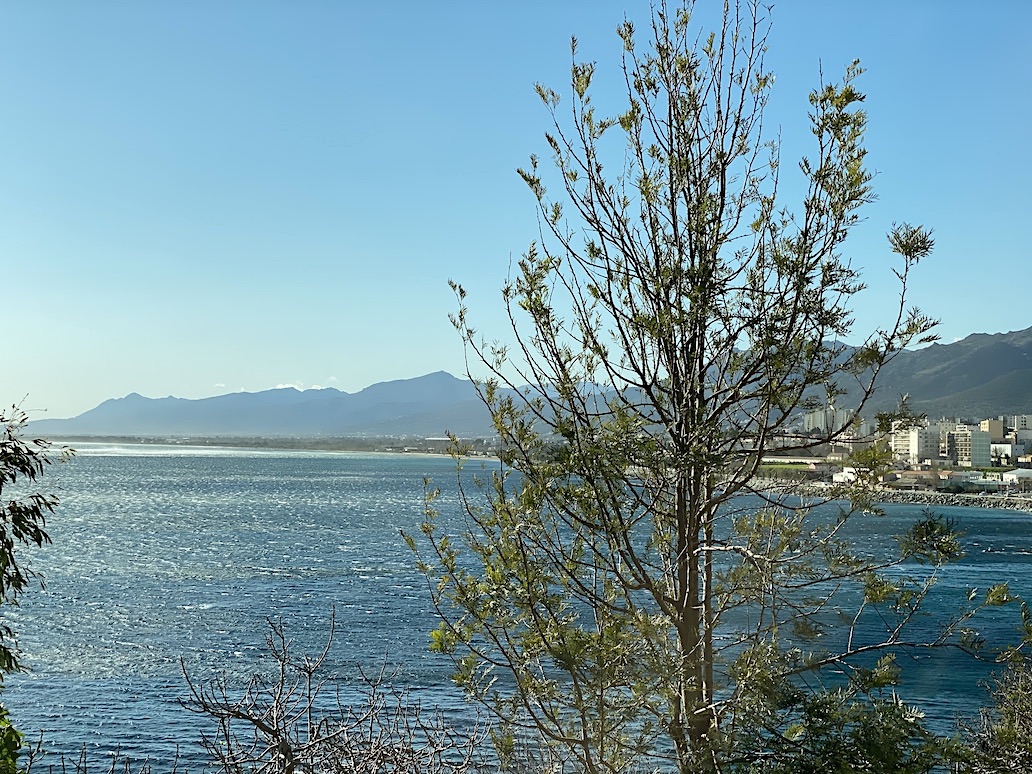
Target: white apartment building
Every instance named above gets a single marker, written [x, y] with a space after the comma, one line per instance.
[921, 443]
[915, 444]
[972, 446]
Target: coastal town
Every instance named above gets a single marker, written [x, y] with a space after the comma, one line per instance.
[945, 461]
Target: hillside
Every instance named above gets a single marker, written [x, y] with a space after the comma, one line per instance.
[982, 375]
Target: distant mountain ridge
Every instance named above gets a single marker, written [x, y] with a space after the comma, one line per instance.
[983, 375]
[424, 406]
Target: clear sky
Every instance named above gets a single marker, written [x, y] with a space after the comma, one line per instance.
[201, 197]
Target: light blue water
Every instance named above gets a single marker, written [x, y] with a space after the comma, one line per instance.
[162, 553]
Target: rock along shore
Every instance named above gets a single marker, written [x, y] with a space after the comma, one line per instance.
[908, 496]
[1007, 502]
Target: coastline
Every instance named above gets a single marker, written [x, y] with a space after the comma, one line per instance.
[1010, 502]
[480, 448]
[437, 448]
[923, 497]
[908, 497]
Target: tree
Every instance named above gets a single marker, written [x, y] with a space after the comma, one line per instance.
[628, 590]
[23, 521]
[286, 722]
[1002, 744]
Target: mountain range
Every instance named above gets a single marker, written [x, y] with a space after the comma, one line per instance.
[983, 375]
[425, 406]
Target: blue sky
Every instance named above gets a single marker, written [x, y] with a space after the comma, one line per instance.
[202, 197]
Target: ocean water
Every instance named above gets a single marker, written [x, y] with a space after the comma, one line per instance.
[166, 558]
[168, 553]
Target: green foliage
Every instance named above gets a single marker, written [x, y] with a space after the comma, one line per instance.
[1003, 742]
[10, 743]
[932, 539]
[23, 521]
[838, 732]
[626, 591]
[23, 518]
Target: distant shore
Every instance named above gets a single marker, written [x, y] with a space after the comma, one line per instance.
[387, 445]
[439, 446]
[780, 487]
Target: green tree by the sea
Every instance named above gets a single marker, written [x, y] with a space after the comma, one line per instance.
[628, 592]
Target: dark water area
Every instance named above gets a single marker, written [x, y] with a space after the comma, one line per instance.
[166, 553]
[947, 684]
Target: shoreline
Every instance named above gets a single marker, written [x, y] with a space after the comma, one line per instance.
[377, 445]
[994, 501]
[426, 447]
[917, 497]
[1010, 502]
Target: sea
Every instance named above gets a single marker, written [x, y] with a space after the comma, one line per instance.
[173, 559]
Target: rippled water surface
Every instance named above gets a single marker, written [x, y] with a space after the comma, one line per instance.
[163, 553]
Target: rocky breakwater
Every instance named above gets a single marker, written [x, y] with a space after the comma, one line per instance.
[902, 496]
[908, 497]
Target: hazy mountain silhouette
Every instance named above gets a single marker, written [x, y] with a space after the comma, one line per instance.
[983, 375]
[428, 405]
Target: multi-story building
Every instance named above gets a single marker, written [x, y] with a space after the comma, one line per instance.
[915, 444]
[1020, 421]
[995, 429]
[827, 420]
[970, 447]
